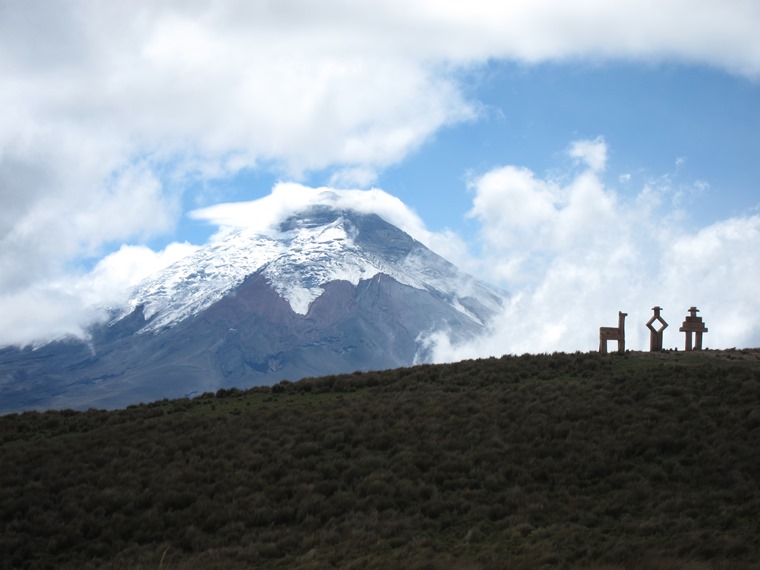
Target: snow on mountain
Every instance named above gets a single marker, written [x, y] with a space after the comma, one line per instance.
[296, 258]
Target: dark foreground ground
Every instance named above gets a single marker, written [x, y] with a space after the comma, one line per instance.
[565, 460]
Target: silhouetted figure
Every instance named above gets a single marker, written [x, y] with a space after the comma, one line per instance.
[613, 333]
[655, 334]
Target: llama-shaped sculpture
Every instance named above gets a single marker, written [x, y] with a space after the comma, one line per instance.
[613, 333]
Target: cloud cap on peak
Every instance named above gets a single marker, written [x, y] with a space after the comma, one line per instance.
[290, 198]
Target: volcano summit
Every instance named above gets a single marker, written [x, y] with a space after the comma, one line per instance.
[325, 291]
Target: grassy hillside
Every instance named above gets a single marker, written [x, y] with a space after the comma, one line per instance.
[564, 460]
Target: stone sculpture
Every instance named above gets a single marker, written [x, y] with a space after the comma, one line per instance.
[693, 325]
[613, 333]
[655, 334]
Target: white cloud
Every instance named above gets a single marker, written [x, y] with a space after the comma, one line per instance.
[580, 254]
[718, 33]
[526, 222]
[44, 312]
[592, 153]
[113, 278]
[67, 305]
[288, 198]
[360, 176]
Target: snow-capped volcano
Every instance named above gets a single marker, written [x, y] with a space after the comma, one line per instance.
[297, 258]
[326, 290]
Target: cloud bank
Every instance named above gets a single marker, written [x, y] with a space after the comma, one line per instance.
[67, 305]
[578, 252]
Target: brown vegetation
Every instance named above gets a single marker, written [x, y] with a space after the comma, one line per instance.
[565, 460]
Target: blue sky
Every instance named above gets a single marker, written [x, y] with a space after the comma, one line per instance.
[653, 116]
[687, 122]
[507, 130]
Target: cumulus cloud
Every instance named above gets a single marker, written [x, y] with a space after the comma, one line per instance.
[67, 305]
[592, 153]
[579, 253]
[526, 221]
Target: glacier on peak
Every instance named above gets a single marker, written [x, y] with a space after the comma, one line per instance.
[297, 258]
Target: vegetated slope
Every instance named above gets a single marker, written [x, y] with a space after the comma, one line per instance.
[565, 460]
